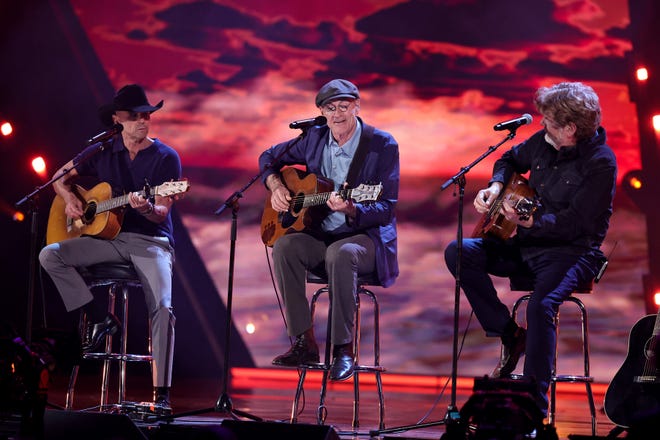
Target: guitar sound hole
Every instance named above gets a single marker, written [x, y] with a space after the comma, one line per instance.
[89, 213]
[297, 203]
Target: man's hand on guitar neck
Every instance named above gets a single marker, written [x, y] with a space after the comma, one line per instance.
[486, 197]
[509, 212]
[337, 203]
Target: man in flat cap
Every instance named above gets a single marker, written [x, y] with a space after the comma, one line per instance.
[128, 162]
[351, 239]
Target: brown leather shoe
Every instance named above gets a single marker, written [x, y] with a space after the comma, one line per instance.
[511, 353]
[304, 351]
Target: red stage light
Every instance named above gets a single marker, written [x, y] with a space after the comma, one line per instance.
[655, 121]
[6, 129]
[39, 165]
[642, 74]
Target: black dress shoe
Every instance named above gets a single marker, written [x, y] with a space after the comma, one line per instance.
[342, 367]
[162, 403]
[511, 353]
[304, 351]
[95, 333]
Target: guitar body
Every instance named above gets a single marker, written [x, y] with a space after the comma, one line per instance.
[628, 399]
[276, 224]
[102, 214]
[103, 225]
[518, 193]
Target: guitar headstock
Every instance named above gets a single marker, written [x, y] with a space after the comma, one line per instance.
[526, 207]
[365, 192]
[168, 189]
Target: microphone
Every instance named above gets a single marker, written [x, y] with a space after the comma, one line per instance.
[105, 135]
[513, 124]
[306, 123]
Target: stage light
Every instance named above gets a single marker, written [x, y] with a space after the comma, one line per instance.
[501, 409]
[18, 216]
[250, 328]
[635, 185]
[39, 166]
[642, 74]
[635, 182]
[6, 129]
[655, 121]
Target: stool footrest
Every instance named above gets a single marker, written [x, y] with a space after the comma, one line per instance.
[323, 367]
[118, 357]
[373, 368]
[572, 378]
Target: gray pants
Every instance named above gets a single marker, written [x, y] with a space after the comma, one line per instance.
[152, 258]
[344, 260]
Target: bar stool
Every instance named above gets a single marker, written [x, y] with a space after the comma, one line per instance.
[527, 284]
[117, 277]
[376, 368]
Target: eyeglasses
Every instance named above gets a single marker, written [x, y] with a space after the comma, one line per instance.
[330, 108]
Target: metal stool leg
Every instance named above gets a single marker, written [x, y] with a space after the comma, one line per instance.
[378, 369]
[356, 361]
[322, 411]
[123, 344]
[585, 352]
[299, 389]
[105, 377]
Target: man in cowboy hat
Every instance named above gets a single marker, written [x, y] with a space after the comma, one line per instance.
[128, 162]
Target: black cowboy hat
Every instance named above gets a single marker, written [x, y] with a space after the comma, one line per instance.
[130, 98]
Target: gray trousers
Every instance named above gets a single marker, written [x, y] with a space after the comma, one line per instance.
[152, 258]
[344, 260]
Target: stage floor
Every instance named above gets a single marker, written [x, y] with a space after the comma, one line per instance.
[267, 395]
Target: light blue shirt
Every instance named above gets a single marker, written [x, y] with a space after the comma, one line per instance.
[336, 162]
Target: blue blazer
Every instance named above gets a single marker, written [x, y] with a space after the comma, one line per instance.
[381, 165]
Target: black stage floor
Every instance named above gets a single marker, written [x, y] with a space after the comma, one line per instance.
[415, 407]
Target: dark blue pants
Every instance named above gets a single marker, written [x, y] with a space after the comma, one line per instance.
[555, 275]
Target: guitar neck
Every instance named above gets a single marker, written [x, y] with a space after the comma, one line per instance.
[321, 198]
[115, 202]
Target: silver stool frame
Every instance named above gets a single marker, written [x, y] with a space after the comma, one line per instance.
[118, 278]
[376, 368]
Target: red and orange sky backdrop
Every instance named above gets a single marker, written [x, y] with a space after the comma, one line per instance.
[437, 74]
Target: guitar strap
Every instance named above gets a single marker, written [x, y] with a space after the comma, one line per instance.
[360, 154]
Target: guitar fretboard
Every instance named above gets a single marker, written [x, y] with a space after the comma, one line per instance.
[321, 198]
[115, 202]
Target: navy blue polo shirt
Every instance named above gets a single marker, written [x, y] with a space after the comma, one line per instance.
[154, 165]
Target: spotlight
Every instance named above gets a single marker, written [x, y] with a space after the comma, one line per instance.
[502, 409]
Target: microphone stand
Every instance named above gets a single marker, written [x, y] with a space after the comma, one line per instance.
[223, 404]
[32, 207]
[452, 416]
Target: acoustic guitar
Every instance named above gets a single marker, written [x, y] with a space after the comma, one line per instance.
[309, 193]
[102, 213]
[633, 395]
[520, 196]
